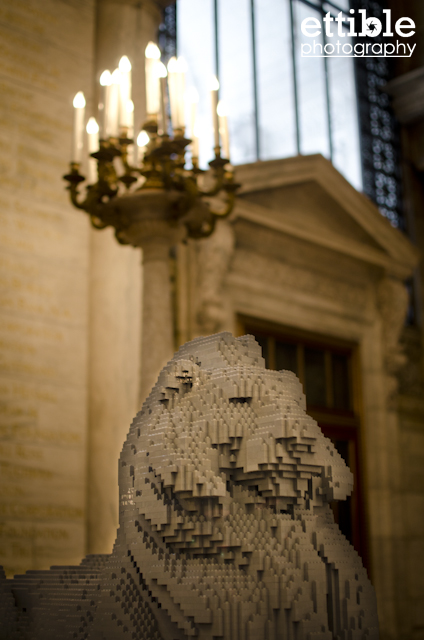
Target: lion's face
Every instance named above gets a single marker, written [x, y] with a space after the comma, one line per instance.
[217, 442]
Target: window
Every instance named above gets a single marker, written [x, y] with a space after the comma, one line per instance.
[326, 369]
[280, 103]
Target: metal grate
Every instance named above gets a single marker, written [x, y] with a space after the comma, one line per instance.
[379, 130]
[167, 36]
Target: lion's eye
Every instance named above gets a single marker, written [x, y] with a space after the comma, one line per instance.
[300, 447]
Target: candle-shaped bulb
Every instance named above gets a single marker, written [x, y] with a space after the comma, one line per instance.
[93, 146]
[106, 78]
[143, 139]
[116, 77]
[214, 84]
[173, 65]
[195, 142]
[130, 106]
[176, 85]
[152, 51]
[193, 99]
[79, 100]
[221, 110]
[92, 126]
[161, 73]
[78, 137]
[104, 106]
[160, 70]
[223, 128]
[182, 65]
[124, 65]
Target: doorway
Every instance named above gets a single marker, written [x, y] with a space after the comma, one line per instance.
[328, 371]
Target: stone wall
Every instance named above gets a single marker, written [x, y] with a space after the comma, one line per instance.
[46, 57]
[70, 304]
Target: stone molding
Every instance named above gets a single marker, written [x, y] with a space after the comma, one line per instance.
[214, 255]
[258, 270]
[392, 301]
[407, 92]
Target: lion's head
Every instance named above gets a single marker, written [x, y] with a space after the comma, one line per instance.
[218, 429]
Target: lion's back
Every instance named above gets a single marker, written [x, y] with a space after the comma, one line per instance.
[60, 602]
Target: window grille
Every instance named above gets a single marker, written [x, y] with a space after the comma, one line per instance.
[379, 130]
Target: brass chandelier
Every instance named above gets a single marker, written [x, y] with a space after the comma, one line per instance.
[119, 182]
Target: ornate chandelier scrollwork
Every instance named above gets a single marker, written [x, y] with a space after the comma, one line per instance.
[194, 198]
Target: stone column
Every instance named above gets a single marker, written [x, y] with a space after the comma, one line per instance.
[157, 343]
[123, 27]
[388, 550]
[151, 225]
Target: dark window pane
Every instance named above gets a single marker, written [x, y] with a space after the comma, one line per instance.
[343, 509]
[315, 377]
[263, 342]
[285, 356]
[341, 381]
[342, 447]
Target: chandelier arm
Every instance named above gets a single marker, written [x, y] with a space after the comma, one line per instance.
[74, 194]
[214, 190]
[129, 168]
[97, 223]
[231, 197]
[74, 178]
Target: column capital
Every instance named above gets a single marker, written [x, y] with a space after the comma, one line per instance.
[146, 219]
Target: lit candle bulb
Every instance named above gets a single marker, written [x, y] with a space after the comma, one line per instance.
[78, 137]
[176, 82]
[129, 108]
[182, 70]
[130, 131]
[142, 142]
[105, 82]
[195, 141]
[173, 90]
[93, 146]
[124, 91]
[152, 54]
[112, 107]
[193, 101]
[223, 129]
[161, 74]
[214, 100]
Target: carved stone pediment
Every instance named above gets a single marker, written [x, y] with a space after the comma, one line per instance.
[307, 199]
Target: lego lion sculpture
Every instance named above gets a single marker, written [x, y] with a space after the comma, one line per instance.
[225, 527]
